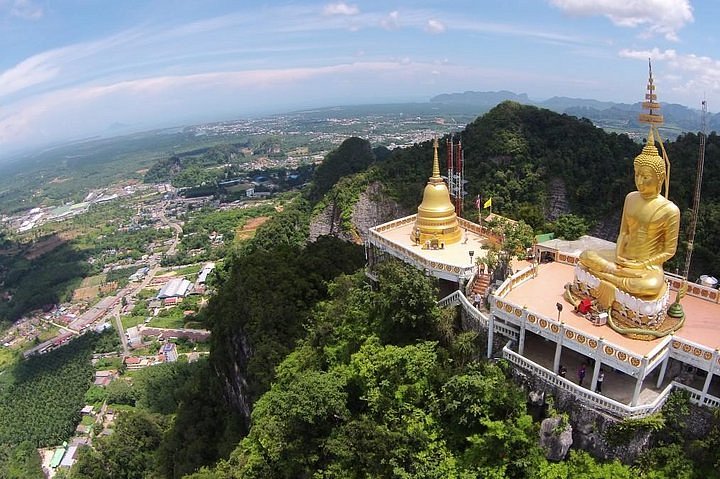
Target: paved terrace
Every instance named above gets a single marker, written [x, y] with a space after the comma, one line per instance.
[540, 294]
[399, 234]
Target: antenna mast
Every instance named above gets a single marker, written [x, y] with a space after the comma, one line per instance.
[456, 173]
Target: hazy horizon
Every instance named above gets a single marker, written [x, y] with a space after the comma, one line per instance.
[75, 70]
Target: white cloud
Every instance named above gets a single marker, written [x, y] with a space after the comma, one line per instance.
[340, 8]
[689, 74]
[33, 71]
[26, 9]
[391, 22]
[665, 17]
[435, 26]
[654, 54]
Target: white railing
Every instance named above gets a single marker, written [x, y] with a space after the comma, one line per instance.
[576, 339]
[456, 298]
[591, 399]
[506, 330]
[696, 396]
[514, 280]
[587, 397]
[436, 268]
[693, 289]
[694, 354]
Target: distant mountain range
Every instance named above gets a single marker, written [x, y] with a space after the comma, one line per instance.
[608, 115]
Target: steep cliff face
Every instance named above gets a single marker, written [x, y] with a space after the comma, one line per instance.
[260, 312]
[373, 207]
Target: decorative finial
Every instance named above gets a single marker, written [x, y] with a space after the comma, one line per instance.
[436, 163]
[650, 103]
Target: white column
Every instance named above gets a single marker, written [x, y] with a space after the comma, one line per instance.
[663, 369]
[491, 331]
[558, 348]
[521, 341]
[639, 382]
[596, 373]
[597, 355]
[708, 378]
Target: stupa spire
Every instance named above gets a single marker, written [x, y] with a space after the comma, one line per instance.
[436, 224]
[436, 162]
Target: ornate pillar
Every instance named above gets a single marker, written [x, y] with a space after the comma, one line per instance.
[708, 378]
[639, 382]
[521, 341]
[491, 331]
[598, 363]
[663, 370]
[558, 348]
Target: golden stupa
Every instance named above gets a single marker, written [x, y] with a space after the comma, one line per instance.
[436, 225]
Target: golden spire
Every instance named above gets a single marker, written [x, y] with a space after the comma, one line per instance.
[436, 162]
[436, 224]
[651, 118]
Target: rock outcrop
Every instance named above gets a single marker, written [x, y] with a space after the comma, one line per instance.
[556, 437]
[372, 208]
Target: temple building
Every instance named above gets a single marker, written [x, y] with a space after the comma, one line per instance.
[587, 305]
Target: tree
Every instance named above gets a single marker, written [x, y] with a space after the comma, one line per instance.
[128, 453]
[570, 227]
[404, 304]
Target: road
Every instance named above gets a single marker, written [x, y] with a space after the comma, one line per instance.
[130, 292]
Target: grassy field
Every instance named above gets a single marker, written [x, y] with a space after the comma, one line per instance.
[190, 272]
[130, 321]
[48, 333]
[7, 357]
[96, 280]
[171, 322]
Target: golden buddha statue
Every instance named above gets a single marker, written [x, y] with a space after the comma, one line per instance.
[648, 237]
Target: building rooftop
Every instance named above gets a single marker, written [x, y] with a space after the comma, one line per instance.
[176, 287]
[453, 259]
[540, 295]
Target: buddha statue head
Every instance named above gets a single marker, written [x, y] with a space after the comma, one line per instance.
[650, 171]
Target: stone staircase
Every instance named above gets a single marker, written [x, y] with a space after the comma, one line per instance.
[481, 285]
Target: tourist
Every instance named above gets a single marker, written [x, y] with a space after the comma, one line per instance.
[581, 374]
[477, 300]
[563, 371]
[600, 379]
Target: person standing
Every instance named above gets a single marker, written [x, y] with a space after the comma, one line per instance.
[581, 374]
[600, 379]
[477, 300]
[563, 371]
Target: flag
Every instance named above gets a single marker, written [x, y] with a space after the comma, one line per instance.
[477, 202]
[488, 203]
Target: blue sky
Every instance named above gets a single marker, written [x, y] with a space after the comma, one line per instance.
[73, 68]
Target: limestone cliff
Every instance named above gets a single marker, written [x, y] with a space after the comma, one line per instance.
[373, 207]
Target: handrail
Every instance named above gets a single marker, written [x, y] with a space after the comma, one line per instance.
[633, 359]
[457, 298]
[586, 396]
[696, 396]
[408, 255]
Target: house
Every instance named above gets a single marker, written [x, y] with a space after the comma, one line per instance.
[103, 378]
[175, 288]
[168, 353]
